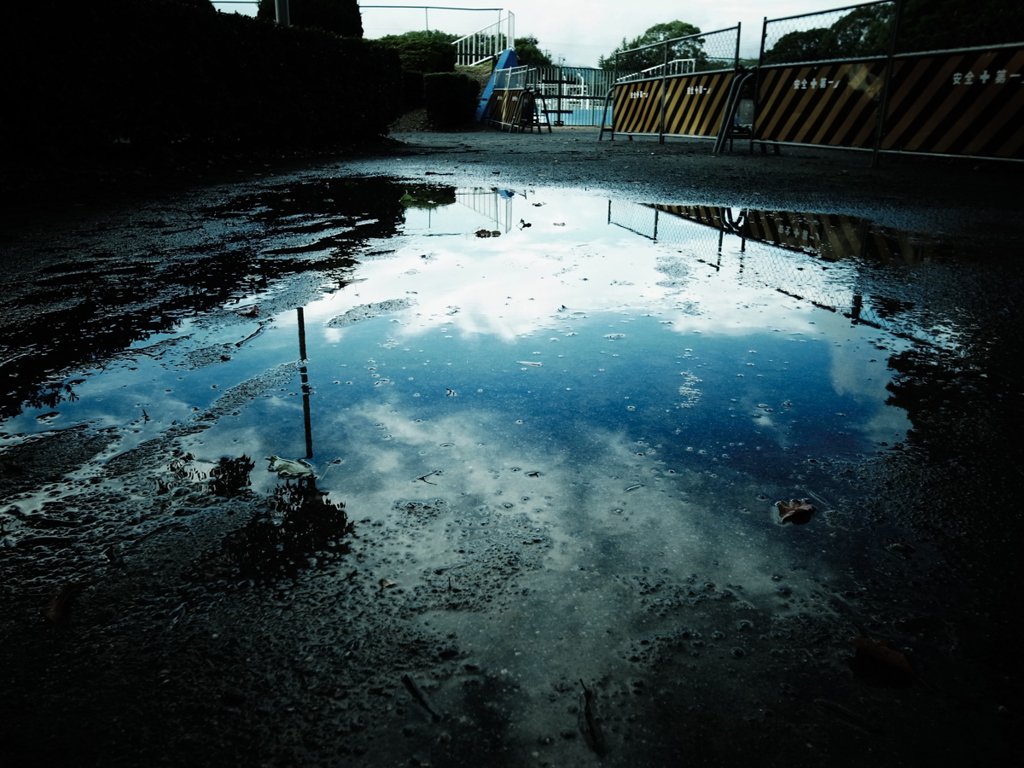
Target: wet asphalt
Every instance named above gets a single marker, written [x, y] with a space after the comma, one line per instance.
[129, 638]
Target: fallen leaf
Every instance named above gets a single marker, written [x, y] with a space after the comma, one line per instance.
[883, 653]
[797, 511]
[880, 666]
[58, 610]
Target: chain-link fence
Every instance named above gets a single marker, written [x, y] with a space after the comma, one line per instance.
[705, 52]
[853, 32]
[865, 31]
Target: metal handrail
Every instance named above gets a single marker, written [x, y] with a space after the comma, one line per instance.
[487, 42]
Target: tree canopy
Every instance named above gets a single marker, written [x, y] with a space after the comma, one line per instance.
[659, 33]
[925, 25]
[529, 55]
[341, 17]
[863, 32]
[935, 25]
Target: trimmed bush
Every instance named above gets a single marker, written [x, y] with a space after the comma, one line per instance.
[412, 90]
[425, 55]
[450, 99]
[342, 17]
[161, 71]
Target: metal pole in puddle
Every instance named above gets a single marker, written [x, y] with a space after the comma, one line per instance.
[305, 383]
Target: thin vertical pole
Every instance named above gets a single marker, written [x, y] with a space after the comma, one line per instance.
[664, 82]
[883, 103]
[561, 85]
[757, 85]
[304, 378]
[282, 13]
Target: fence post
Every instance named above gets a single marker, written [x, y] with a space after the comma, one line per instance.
[664, 83]
[283, 13]
[739, 33]
[558, 106]
[883, 104]
[757, 84]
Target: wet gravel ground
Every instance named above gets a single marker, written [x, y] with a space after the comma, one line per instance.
[153, 613]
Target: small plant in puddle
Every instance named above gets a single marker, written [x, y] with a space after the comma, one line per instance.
[290, 468]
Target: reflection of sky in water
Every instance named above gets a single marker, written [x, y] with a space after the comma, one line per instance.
[673, 342]
[628, 402]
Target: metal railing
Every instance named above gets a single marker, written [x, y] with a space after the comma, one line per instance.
[486, 43]
[574, 95]
[495, 204]
[514, 78]
[674, 67]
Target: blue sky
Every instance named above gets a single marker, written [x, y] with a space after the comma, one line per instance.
[582, 31]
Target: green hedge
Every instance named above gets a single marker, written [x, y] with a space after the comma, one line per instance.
[424, 55]
[451, 99]
[158, 71]
[412, 90]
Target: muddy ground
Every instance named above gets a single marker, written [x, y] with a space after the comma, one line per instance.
[159, 611]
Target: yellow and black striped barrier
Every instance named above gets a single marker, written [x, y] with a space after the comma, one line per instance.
[960, 103]
[832, 236]
[829, 236]
[693, 106]
[832, 104]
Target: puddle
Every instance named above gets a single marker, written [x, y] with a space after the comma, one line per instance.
[540, 439]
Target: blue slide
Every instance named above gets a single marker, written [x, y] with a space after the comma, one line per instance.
[506, 60]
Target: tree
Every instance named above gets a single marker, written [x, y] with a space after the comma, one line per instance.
[341, 17]
[861, 33]
[935, 25]
[529, 55]
[792, 47]
[659, 33]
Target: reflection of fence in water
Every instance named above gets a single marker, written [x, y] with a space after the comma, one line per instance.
[495, 204]
[784, 251]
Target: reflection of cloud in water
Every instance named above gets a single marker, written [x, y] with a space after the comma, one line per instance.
[611, 517]
[624, 506]
[516, 288]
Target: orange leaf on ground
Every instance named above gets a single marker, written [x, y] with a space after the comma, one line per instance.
[883, 653]
[58, 610]
[797, 511]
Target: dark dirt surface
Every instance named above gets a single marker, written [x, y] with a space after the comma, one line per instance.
[155, 612]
